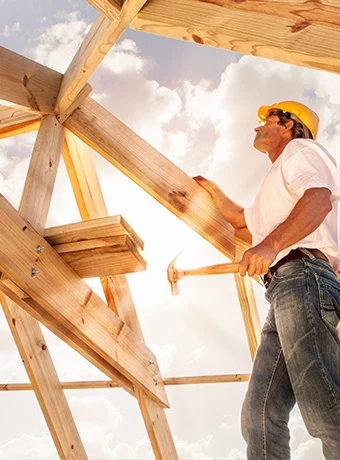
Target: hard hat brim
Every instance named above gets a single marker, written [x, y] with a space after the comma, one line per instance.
[262, 112]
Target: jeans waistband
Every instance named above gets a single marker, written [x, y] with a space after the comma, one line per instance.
[298, 253]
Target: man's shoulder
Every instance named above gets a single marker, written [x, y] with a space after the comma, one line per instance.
[308, 146]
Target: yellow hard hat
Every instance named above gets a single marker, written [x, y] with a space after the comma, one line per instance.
[301, 111]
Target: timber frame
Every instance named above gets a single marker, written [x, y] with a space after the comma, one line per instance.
[36, 284]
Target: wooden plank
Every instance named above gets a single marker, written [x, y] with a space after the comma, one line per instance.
[14, 121]
[83, 177]
[40, 180]
[26, 330]
[98, 42]
[109, 8]
[102, 384]
[69, 303]
[105, 261]
[248, 305]
[153, 172]
[67, 336]
[27, 83]
[40, 369]
[104, 227]
[118, 242]
[81, 96]
[119, 299]
[296, 32]
[249, 312]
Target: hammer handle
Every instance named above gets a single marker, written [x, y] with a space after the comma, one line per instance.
[219, 269]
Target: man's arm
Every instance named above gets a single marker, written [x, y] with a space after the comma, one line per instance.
[308, 213]
[229, 210]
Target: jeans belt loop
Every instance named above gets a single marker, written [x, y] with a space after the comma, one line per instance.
[298, 253]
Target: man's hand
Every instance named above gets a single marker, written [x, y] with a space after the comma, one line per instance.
[207, 184]
[258, 259]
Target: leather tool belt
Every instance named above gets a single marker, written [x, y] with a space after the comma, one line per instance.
[292, 255]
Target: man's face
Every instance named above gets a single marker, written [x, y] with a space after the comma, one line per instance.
[268, 135]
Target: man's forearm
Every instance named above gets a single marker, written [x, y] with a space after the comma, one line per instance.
[230, 211]
[306, 217]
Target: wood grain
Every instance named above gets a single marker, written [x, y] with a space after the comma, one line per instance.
[101, 227]
[296, 32]
[14, 121]
[25, 329]
[119, 298]
[94, 384]
[153, 172]
[69, 302]
[27, 83]
[109, 8]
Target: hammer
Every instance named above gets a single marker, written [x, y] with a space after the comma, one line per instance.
[176, 274]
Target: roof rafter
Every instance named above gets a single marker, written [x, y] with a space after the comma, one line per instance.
[302, 33]
[28, 83]
[98, 42]
[153, 172]
[109, 8]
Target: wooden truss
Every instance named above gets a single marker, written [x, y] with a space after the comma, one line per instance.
[42, 269]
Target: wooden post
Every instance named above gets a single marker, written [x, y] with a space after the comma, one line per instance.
[81, 171]
[26, 330]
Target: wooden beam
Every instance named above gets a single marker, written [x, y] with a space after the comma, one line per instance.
[296, 32]
[249, 312]
[248, 305]
[14, 121]
[98, 42]
[26, 330]
[119, 299]
[98, 247]
[27, 83]
[102, 384]
[62, 301]
[118, 258]
[109, 8]
[153, 172]
[81, 96]
[83, 177]
[101, 228]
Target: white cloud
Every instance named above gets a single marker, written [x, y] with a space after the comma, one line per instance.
[10, 30]
[123, 58]
[29, 447]
[58, 43]
[194, 450]
[196, 354]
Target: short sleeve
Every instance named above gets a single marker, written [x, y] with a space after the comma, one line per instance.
[312, 167]
[248, 212]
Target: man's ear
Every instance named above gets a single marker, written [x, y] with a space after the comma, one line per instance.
[289, 125]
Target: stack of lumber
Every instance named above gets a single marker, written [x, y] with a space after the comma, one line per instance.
[98, 247]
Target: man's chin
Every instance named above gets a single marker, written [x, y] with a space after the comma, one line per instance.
[257, 145]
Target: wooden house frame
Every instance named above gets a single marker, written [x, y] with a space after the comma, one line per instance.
[40, 270]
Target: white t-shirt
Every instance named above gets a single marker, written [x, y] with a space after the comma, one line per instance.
[303, 164]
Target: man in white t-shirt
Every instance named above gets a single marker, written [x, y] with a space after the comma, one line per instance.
[293, 224]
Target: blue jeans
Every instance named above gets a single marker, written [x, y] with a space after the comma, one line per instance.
[298, 360]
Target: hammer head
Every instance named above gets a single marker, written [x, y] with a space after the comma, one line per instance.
[174, 275]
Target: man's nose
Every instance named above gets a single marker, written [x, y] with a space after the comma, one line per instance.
[257, 129]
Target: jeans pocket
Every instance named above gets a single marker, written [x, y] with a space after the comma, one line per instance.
[329, 292]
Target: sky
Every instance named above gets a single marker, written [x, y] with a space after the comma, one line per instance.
[197, 105]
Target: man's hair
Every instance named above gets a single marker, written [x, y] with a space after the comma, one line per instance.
[299, 130]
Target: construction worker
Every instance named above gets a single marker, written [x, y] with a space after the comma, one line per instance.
[293, 224]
